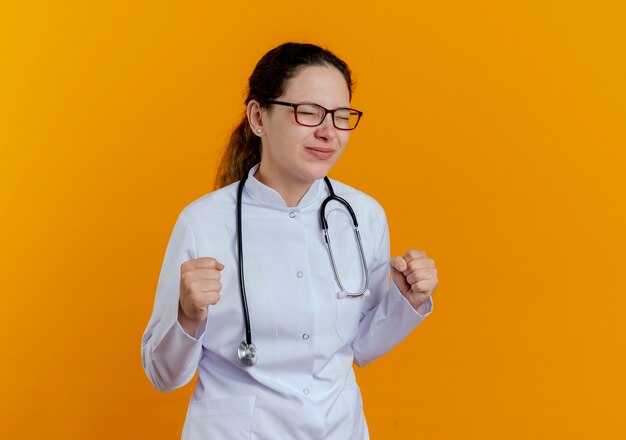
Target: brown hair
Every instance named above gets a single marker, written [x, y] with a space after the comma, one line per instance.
[268, 82]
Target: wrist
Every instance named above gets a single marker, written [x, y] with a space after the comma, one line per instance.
[415, 300]
[189, 325]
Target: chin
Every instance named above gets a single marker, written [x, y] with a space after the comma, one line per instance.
[319, 171]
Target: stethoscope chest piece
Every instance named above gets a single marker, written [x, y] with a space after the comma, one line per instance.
[247, 353]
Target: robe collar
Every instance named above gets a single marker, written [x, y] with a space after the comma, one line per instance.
[269, 196]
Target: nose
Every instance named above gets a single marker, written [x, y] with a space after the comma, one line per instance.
[326, 130]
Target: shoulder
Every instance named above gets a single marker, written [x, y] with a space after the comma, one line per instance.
[211, 204]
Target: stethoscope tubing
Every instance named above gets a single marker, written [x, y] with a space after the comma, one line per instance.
[246, 351]
[343, 292]
[242, 284]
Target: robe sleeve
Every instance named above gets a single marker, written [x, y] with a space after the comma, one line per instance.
[170, 356]
[388, 316]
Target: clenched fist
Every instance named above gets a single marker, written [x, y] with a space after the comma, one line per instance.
[199, 288]
[415, 275]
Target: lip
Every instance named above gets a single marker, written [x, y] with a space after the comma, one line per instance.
[321, 153]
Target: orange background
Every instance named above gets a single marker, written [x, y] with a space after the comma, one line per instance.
[494, 136]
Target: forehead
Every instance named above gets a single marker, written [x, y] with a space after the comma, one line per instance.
[323, 85]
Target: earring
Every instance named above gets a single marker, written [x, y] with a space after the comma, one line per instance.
[258, 130]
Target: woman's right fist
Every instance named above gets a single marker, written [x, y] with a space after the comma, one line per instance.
[199, 288]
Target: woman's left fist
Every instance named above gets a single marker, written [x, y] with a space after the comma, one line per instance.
[415, 275]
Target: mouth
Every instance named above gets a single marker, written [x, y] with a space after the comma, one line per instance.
[321, 153]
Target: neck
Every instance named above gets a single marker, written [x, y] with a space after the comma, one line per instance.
[291, 191]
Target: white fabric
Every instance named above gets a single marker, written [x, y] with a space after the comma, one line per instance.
[303, 385]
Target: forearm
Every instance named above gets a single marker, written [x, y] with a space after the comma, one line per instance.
[386, 325]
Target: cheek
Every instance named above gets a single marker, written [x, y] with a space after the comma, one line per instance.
[343, 138]
[294, 133]
[283, 138]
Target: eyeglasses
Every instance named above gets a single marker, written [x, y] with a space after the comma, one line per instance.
[312, 115]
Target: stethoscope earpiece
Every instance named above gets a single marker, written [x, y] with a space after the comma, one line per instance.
[344, 294]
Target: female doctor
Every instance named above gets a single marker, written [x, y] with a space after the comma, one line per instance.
[276, 363]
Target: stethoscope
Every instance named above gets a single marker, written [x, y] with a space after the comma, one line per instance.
[247, 351]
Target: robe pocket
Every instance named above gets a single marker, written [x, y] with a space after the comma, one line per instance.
[227, 418]
[348, 310]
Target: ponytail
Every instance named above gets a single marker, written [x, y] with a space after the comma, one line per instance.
[243, 151]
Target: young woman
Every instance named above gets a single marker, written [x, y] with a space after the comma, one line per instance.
[276, 363]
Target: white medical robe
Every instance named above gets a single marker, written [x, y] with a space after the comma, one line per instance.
[303, 385]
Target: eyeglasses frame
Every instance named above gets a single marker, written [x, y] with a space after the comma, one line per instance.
[326, 111]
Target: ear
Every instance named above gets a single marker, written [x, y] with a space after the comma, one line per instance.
[254, 113]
